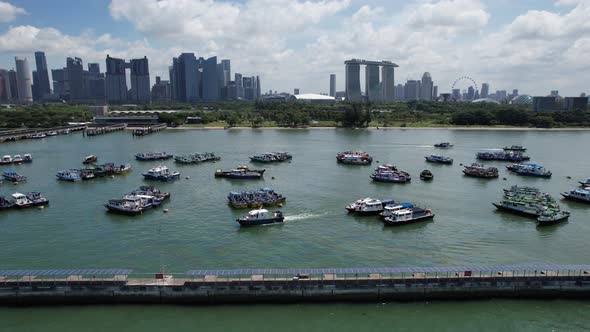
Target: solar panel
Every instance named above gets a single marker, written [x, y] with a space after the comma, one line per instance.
[63, 272]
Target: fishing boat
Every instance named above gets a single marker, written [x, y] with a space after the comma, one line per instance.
[86, 173]
[261, 217]
[71, 175]
[513, 156]
[527, 201]
[197, 157]
[17, 159]
[29, 200]
[255, 199]
[436, 158]
[157, 195]
[443, 145]
[515, 148]
[388, 210]
[390, 174]
[13, 176]
[27, 158]
[91, 159]
[579, 195]
[5, 203]
[552, 216]
[52, 133]
[122, 169]
[241, 172]
[354, 158]
[129, 206]
[161, 173]
[369, 206]
[408, 216]
[481, 171]
[585, 183]
[6, 160]
[38, 136]
[426, 175]
[271, 157]
[149, 156]
[529, 170]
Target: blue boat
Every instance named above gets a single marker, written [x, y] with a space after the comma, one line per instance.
[71, 175]
[13, 176]
[436, 158]
[148, 156]
[161, 173]
[529, 169]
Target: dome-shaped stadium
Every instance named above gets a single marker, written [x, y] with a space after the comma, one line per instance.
[522, 100]
[485, 100]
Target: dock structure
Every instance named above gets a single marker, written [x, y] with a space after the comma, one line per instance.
[100, 130]
[148, 130]
[33, 287]
[20, 134]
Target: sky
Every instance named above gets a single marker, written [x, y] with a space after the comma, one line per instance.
[531, 45]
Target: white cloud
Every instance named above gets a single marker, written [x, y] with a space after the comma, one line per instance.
[9, 12]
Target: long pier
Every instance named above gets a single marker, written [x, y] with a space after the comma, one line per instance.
[95, 131]
[148, 130]
[293, 286]
[20, 134]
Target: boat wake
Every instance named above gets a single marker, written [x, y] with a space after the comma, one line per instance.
[302, 216]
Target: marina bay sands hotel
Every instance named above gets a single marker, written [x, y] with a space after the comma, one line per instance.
[376, 90]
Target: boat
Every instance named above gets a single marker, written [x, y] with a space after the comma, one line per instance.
[241, 172]
[436, 158]
[513, 156]
[17, 159]
[64, 132]
[91, 159]
[527, 201]
[157, 195]
[579, 195]
[529, 170]
[121, 169]
[354, 158]
[481, 171]
[148, 156]
[129, 206]
[443, 145]
[161, 173]
[515, 148]
[390, 174]
[13, 176]
[585, 183]
[27, 158]
[195, 158]
[369, 206]
[388, 210]
[5, 203]
[29, 200]
[552, 216]
[71, 175]
[6, 160]
[271, 157]
[37, 199]
[426, 175]
[86, 173]
[255, 199]
[261, 217]
[38, 136]
[408, 216]
[52, 133]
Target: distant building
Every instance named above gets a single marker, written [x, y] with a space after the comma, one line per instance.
[550, 103]
[5, 94]
[295, 91]
[388, 83]
[94, 69]
[161, 91]
[115, 81]
[412, 90]
[470, 93]
[186, 84]
[372, 84]
[333, 85]
[140, 81]
[353, 82]
[456, 95]
[210, 83]
[501, 96]
[426, 87]
[575, 103]
[314, 98]
[42, 86]
[239, 86]
[554, 93]
[399, 93]
[75, 70]
[224, 77]
[61, 84]
[435, 92]
[24, 80]
[194, 120]
[485, 90]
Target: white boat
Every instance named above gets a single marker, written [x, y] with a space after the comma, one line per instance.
[38, 136]
[580, 195]
[21, 200]
[585, 183]
[17, 159]
[369, 206]
[6, 160]
[390, 209]
[261, 217]
[52, 133]
[408, 216]
[161, 173]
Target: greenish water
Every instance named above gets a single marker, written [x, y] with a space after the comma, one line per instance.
[199, 232]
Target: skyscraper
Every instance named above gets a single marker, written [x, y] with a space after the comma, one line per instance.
[426, 87]
[435, 92]
[332, 85]
[239, 86]
[353, 81]
[399, 93]
[42, 87]
[76, 78]
[296, 91]
[13, 84]
[485, 90]
[94, 69]
[258, 89]
[24, 80]
[412, 90]
[161, 91]
[372, 83]
[35, 87]
[388, 83]
[209, 79]
[140, 80]
[116, 83]
[61, 85]
[187, 78]
[224, 76]
[5, 94]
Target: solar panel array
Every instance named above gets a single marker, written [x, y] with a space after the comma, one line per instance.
[395, 270]
[64, 272]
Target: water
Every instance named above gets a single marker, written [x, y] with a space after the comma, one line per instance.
[199, 232]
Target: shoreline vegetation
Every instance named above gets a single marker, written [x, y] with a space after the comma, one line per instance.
[405, 115]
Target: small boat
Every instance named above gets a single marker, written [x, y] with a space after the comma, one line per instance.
[27, 158]
[17, 159]
[195, 158]
[255, 199]
[6, 160]
[408, 216]
[241, 172]
[585, 183]
[390, 174]
[481, 171]
[91, 159]
[86, 173]
[71, 175]
[38, 136]
[271, 157]
[5, 203]
[426, 175]
[579, 195]
[52, 133]
[515, 148]
[369, 206]
[129, 206]
[157, 196]
[13, 176]
[552, 216]
[261, 217]
[161, 173]
[121, 169]
[64, 132]
[29, 200]
[443, 145]
[354, 158]
[149, 156]
[530, 170]
[388, 210]
[436, 158]
[37, 199]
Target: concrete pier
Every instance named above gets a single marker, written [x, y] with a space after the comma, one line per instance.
[20, 134]
[148, 130]
[95, 131]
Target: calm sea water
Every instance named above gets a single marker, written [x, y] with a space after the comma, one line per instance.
[200, 231]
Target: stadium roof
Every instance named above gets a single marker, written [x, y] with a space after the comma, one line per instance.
[313, 96]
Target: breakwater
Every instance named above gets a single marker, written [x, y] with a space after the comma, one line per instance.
[294, 286]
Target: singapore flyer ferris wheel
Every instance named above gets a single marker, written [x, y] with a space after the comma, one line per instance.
[463, 83]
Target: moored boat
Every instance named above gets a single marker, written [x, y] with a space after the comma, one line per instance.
[121, 169]
[552, 216]
[148, 156]
[408, 216]
[255, 199]
[13, 176]
[52, 133]
[481, 171]
[261, 217]
[128, 206]
[241, 172]
[27, 158]
[513, 156]
[6, 160]
[585, 183]
[71, 175]
[161, 173]
[90, 159]
[369, 206]
[29, 200]
[443, 145]
[389, 209]
[354, 158]
[38, 136]
[579, 195]
[426, 175]
[436, 158]
[271, 157]
[515, 148]
[390, 174]
[529, 170]
[17, 159]
[157, 195]
[195, 158]
[5, 203]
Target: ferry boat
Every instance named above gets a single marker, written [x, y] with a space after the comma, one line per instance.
[17, 159]
[5, 203]
[426, 175]
[27, 158]
[91, 159]
[436, 158]
[369, 206]
[28, 200]
[530, 170]
[579, 195]
[390, 174]
[241, 172]
[271, 157]
[129, 206]
[71, 175]
[481, 171]
[161, 173]
[388, 210]
[13, 176]
[408, 216]
[261, 217]
[552, 216]
[148, 156]
[354, 158]
[6, 160]
[38, 136]
[443, 145]
[255, 199]
[515, 148]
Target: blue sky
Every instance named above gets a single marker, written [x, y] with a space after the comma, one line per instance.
[535, 46]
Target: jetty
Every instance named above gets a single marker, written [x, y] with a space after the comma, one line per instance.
[148, 130]
[95, 286]
[100, 130]
[20, 134]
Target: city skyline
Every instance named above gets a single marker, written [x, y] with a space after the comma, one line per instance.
[480, 39]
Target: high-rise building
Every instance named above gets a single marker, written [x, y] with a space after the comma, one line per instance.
[140, 81]
[426, 87]
[35, 87]
[456, 95]
[210, 82]
[5, 94]
[388, 83]
[249, 84]
[61, 84]
[332, 85]
[75, 69]
[296, 91]
[501, 95]
[258, 88]
[399, 93]
[94, 69]
[186, 78]
[115, 80]
[223, 77]
[161, 91]
[435, 92]
[412, 90]
[24, 80]
[554, 93]
[13, 84]
[42, 86]
[485, 90]
[372, 83]
[352, 78]
[239, 86]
